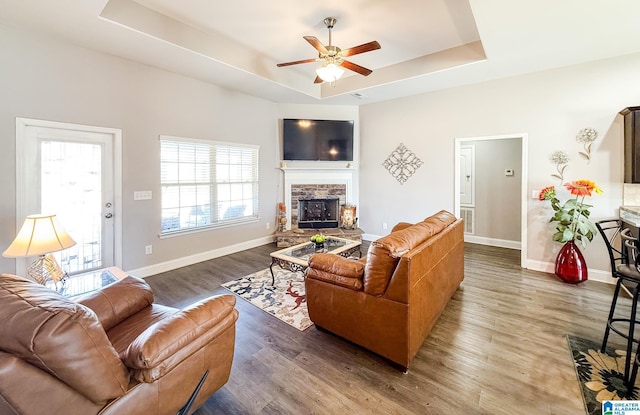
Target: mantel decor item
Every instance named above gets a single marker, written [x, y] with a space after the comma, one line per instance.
[402, 163]
[282, 217]
[41, 235]
[348, 219]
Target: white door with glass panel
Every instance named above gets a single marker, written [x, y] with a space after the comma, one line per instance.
[467, 175]
[68, 171]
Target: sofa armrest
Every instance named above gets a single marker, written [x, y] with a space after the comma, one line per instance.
[118, 301]
[334, 269]
[166, 343]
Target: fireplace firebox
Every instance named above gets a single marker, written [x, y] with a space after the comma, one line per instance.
[318, 213]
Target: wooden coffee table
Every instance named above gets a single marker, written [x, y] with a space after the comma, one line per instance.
[296, 258]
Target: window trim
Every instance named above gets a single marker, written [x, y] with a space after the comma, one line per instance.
[218, 224]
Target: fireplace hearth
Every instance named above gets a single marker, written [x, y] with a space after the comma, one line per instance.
[318, 213]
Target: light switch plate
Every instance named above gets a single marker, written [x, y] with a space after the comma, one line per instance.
[142, 195]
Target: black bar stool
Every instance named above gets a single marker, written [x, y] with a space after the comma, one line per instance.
[624, 270]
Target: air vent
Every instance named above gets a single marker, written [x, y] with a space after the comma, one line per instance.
[467, 215]
[358, 95]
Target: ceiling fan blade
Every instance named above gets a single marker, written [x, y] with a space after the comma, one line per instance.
[367, 47]
[316, 44]
[295, 62]
[318, 80]
[356, 68]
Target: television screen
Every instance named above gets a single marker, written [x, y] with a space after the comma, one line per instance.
[326, 140]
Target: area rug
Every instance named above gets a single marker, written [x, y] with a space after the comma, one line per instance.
[284, 300]
[600, 374]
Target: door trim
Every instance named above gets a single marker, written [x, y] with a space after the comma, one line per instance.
[21, 204]
[524, 137]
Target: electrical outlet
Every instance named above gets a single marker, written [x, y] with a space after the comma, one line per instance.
[268, 225]
[384, 225]
[148, 249]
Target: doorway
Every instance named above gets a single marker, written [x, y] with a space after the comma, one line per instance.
[72, 171]
[461, 143]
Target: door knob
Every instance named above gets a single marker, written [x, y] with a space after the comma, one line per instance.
[108, 216]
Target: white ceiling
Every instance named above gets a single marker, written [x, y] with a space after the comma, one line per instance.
[427, 45]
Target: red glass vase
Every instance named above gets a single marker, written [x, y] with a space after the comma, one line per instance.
[570, 264]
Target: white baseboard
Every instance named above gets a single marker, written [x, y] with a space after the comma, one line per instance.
[370, 237]
[549, 267]
[501, 243]
[199, 257]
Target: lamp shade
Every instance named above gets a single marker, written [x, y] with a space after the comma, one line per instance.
[39, 235]
[330, 72]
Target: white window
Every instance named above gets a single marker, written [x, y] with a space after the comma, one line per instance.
[207, 184]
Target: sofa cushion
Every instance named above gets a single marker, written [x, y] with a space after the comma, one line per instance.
[384, 254]
[60, 337]
[118, 301]
[402, 241]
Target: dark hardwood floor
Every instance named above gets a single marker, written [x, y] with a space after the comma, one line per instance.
[498, 348]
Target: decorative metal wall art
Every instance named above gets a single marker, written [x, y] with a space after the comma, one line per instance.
[586, 136]
[402, 163]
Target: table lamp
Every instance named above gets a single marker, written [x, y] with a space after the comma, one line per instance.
[40, 235]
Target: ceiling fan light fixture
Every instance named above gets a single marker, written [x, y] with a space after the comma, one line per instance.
[330, 72]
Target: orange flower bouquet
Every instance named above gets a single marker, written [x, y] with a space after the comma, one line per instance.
[572, 217]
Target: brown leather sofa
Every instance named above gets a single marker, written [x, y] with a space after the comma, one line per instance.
[112, 352]
[389, 301]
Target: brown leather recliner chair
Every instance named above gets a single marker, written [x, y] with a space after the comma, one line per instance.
[112, 352]
[389, 301]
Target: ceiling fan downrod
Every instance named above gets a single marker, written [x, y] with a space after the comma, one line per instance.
[330, 22]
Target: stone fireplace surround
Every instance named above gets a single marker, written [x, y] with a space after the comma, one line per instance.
[325, 197]
[318, 182]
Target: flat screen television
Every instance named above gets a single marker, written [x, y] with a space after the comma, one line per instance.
[326, 140]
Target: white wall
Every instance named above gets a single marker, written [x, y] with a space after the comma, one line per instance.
[551, 107]
[45, 79]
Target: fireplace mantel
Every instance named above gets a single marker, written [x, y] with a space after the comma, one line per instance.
[347, 176]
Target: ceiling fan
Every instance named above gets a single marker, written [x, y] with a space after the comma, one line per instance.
[333, 57]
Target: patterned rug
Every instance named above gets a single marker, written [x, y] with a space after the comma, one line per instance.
[285, 300]
[599, 374]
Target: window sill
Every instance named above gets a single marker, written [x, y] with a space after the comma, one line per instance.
[172, 234]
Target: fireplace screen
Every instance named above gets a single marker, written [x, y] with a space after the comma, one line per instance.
[318, 213]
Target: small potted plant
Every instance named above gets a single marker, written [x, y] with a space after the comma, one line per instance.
[318, 240]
